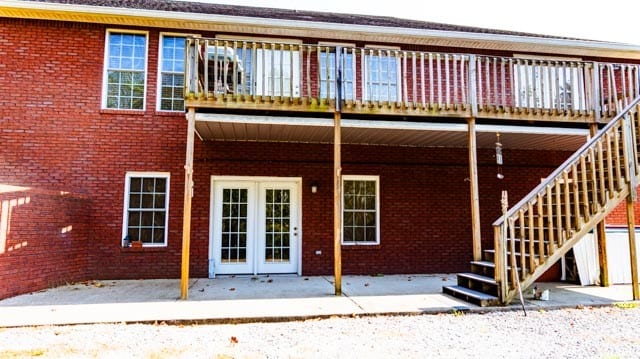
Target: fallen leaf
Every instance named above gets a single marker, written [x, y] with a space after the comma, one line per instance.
[201, 290]
[270, 280]
[366, 284]
[231, 289]
[233, 340]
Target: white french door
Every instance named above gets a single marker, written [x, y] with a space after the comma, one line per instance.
[255, 226]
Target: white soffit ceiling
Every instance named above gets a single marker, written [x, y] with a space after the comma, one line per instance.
[414, 134]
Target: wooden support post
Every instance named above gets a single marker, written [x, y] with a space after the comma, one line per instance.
[602, 254]
[337, 204]
[631, 225]
[601, 235]
[188, 194]
[475, 196]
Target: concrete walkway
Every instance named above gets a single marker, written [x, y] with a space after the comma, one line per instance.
[265, 298]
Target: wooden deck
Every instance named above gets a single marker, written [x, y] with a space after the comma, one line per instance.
[296, 78]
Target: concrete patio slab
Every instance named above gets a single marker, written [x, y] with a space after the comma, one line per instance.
[266, 298]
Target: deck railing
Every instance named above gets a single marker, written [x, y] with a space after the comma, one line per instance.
[544, 225]
[301, 77]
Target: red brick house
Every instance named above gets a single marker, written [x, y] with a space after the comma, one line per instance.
[313, 143]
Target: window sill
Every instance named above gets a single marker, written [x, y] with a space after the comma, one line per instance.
[142, 249]
[170, 113]
[363, 247]
[113, 111]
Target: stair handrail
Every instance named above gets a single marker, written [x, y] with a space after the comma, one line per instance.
[564, 166]
[503, 226]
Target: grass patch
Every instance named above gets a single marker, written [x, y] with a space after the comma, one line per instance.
[626, 305]
[22, 353]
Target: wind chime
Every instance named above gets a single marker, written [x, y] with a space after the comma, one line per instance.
[499, 156]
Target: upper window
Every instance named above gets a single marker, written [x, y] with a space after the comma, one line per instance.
[171, 73]
[125, 70]
[262, 67]
[360, 210]
[328, 72]
[549, 84]
[381, 75]
[146, 209]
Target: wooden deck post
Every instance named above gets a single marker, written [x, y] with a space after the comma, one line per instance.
[337, 204]
[475, 196]
[601, 235]
[631, 225]
[186, 216]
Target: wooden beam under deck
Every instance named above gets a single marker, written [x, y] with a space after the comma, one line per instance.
[392, 109]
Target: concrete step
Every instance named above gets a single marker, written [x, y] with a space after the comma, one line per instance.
[478, 283]
[471, 296]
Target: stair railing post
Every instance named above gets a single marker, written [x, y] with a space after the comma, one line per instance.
[629, 155]
[500, 248]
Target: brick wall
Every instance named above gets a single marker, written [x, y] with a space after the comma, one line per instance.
[54, 137]
[424, 200]
[73, 157]
[43, 239]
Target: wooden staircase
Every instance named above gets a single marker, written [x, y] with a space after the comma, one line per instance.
[535, 233]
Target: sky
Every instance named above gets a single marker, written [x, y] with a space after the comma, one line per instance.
[608, 20]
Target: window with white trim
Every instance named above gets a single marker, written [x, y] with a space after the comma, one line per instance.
[327, 70]
[272, 68]
[146, 208]
[381, 75]
[549, 83]
[125, 70]
[360, 210]
[171, 84]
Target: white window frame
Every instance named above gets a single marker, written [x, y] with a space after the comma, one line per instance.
[160, 72]
[362, 178]
[365, 72]
[105, 73]
[125, 212]
[347, 95]
[540, 97]
[261, 85]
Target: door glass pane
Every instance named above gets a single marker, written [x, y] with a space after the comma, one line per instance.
[234, 225]
[277, 209]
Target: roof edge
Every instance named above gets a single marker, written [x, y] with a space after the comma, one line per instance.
[283, 27]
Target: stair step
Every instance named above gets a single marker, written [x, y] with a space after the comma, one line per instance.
[484, 264]
[471, 296]
[478, 278]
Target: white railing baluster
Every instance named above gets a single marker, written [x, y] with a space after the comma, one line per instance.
[414, 75]
[487, 82]
[464, 61]
[504, 84]
[405, 96]
[431, 94]
[495, 84]
[354, 87]
[455, 80]
[447, 84]
[479, 83]
[423, 85]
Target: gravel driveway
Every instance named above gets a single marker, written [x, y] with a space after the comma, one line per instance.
[607, 332]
